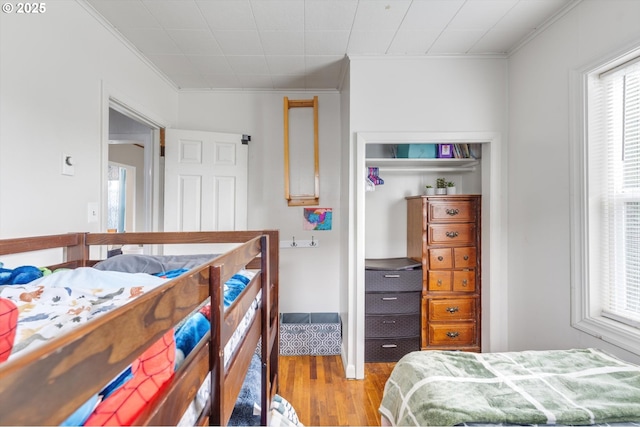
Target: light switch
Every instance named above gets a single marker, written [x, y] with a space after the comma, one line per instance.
[92, 212]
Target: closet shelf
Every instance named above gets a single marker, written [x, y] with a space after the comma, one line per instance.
[423, 165]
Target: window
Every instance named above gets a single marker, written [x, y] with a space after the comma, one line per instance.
[607, 210]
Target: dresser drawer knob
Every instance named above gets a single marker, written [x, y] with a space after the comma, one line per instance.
[439, 282]
[389, 345]
[464, 283]
[440, 258]
[389, 298]
[392, 276]
[453, 309]
[466, 257]
[453, 334]
[452, 212]
[451, 234]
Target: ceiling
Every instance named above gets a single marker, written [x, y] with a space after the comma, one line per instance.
[302, 44]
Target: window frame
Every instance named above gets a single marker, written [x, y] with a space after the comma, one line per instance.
[585, 308]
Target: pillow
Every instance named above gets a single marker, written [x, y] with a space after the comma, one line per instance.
[152, 264]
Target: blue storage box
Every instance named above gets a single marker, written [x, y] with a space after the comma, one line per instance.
[417, 151]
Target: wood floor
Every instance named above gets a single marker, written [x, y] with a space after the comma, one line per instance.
[321, 395]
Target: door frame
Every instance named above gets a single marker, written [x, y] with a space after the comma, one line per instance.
[153, 171]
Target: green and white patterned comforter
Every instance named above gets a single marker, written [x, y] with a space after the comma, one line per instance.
[558, 387]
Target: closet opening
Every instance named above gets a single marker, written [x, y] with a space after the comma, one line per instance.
[487, 181]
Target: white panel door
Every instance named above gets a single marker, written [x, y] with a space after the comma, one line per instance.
[205, 181]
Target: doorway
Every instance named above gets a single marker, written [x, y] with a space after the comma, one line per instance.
[130, 147]
[494, 294]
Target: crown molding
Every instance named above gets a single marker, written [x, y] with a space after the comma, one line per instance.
[122, 39]
[541, 28]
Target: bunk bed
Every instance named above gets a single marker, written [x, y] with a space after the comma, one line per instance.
[49, 383]
[555, 387]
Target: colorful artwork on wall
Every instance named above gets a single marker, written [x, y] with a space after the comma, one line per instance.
[318, 218]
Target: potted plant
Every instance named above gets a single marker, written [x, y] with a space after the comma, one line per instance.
[429, 190]
[441, 186]
[451, 187]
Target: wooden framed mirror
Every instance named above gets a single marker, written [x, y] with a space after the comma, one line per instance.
[302, 178]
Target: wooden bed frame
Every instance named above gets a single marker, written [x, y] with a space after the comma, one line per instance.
[84, 361]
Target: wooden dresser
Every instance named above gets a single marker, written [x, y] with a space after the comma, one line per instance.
[443, 233]
[393, 290]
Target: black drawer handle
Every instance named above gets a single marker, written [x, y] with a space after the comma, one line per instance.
[453, 334]
[389, 298]
[388, 322]
[452, 212]
[389, 345]
[392, 276]
[466, 257]
[440, 258]
[452, 234]
[453, 309]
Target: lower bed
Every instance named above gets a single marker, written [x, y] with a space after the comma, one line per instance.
[558, 387]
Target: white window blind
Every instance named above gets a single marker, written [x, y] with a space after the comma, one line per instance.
[614, 191]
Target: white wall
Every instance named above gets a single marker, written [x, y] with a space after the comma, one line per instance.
[55, 69]
[540, 102]
[309, 279]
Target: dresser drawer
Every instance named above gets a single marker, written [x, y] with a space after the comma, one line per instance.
[451, 211]
[448, 334]
[452, 309]
[439, 281]
[442, 258]
[464, 257]
[389, 350]
[448, 281]
[464, 281]
[392, 303]
[451, 234]
[392, 326]
[393, 280]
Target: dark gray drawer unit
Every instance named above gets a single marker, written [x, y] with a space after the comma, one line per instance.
[393, 280]
[392, 307]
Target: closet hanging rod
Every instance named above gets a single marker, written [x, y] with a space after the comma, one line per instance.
[426, 169]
